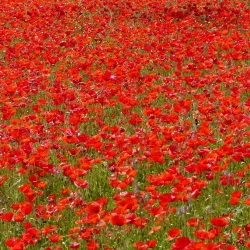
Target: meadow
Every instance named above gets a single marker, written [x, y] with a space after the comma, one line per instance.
[124, 124]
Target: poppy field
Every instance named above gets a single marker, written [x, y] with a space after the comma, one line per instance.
[124, 124]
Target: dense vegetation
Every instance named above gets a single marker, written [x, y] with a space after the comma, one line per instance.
[124, 124]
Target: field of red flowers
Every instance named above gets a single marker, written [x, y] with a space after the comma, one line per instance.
[124, 124]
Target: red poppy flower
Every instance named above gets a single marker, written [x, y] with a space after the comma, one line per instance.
[92, 245]
[118, 219]
[247, 201]
[219, 222]
[55, 238]
[19, 217]
[181, 243]
[174, 232]
[7, 216]
[15, 243]
[234, 201]
[247, 244]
